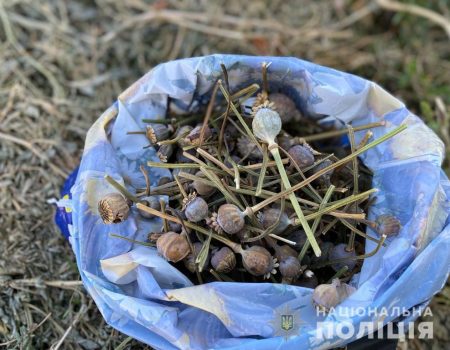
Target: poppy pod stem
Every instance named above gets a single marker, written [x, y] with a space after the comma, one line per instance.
[146, 244]
[180, 187]
[209, 111]
[174, 140]
[213, 159]
[262, 173]
[147, 180]
[325, 170]
[334, 133]
[122, 189]
[266, 126]
[239, 116]
[234, 246]
[355, 257]
[163, 210]
[316, 222]
[309, 234]
[339, 273]
[353, 146]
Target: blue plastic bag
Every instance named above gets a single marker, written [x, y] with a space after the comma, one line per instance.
[142, 295]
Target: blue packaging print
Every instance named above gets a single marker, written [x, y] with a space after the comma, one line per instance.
[142, 295]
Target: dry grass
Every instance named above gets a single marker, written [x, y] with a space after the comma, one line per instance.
[63, 63]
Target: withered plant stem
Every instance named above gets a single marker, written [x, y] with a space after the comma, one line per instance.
[273, 147]
[209, 110]
[180, 187]
[299, 171]
[237, 176]
[358, 232]
[351, 136]
[315, 176]
[262, 173]
[334, 133]
[132, 240]
[213, 159]
[357, 257]
[163, 210]
[122, 189]
[260, 165]
[227, 112]
[236, 247]
[239, 116]
[339, 273]
[147, 180]
[316, 222]
[248, 190]
[365, 139]
[174, 140]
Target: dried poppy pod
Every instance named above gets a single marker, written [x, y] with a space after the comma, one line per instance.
[285, 106]
[327, 296]
[154, 236]
[181, 158]
[230, 218]
[165, 152]
[189, 261]
[183, 130]
[152, 202]
[299, 237]
[195, 208]
[258, 261]
[164, 180]
[326, 248]
[193, 138]
[223, 260]
[266, 123]
[286, 141]
[157, 132]
[302, 156]
[290, 267]
[234, 158]
[388, 225]
[325, 179]
[269, 217]
[284, 251]
[113, 208]
[173, 246]
[230, 136]
[307, 280]
[202, 188]
[243, 234]
[246, 148]
[175, 226]
[259, 100]
[340, 251]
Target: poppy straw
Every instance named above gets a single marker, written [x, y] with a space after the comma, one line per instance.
[248, 190]
[122, 189]
[236, 247]
[340, 162]
[356, 257]
[301, 217]
[239, 116]
[335, 133]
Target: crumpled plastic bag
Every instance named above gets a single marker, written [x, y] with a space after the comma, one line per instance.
[142, 295]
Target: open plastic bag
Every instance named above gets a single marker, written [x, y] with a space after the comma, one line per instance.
[142, 295]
